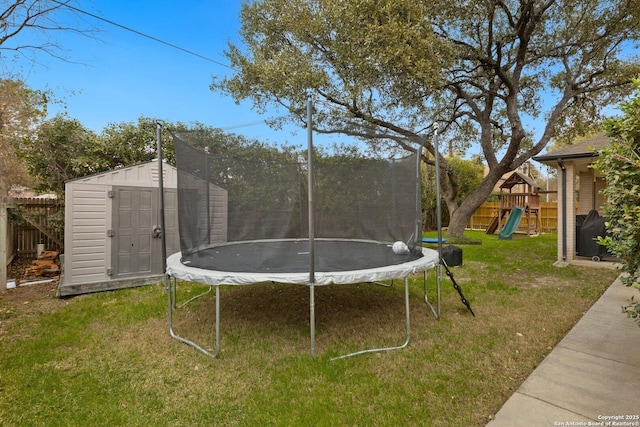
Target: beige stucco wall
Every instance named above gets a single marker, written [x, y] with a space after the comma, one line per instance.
[569, 199]
[590, 185]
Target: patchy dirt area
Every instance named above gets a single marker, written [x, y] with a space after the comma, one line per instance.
[28, 297]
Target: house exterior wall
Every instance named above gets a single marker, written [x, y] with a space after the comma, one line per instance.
[577, 159]
[601, 200]
[567, 201]
[590, 191]
[585, 193]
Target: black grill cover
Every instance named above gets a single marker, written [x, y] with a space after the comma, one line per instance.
[592, 228]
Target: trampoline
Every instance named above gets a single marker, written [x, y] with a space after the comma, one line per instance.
[339, 261]
[246, 264]
[265, 216]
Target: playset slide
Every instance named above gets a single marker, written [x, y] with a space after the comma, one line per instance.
[512, 223]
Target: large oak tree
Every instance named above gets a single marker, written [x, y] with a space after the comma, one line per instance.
[491, 72]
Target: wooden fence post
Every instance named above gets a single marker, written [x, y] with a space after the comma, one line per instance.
[4, 239]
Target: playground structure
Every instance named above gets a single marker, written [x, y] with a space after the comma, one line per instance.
[516, 205]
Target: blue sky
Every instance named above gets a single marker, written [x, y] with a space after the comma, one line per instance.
[117, 76]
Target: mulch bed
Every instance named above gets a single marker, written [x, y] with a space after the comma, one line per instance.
[23, 272]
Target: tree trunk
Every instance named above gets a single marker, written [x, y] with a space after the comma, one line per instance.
[458, 220]
[460, 217]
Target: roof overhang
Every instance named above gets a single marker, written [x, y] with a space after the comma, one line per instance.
[580, 154]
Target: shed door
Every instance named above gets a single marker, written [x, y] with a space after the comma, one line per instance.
[136, 250]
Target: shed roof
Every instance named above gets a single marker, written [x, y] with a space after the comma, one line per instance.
[590, 147]
[518, 178]
[142, 174]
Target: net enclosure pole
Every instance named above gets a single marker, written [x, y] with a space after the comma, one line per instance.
[312, 280]
[161, 190]
[310, 189]
[208, 195]
[418, 231]
[436, 154]
[170, 288]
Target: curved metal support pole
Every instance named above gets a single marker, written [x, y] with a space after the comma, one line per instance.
[192, 299]
[407, 326]
[435, 310]
[384, 285]
[171, 302]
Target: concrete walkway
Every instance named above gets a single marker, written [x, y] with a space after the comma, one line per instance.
[591, 378]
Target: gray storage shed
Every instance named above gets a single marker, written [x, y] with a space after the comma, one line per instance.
[111, 228]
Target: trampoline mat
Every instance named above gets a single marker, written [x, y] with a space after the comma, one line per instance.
[292, 256]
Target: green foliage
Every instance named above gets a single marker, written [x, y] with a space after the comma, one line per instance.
[21, 110]
[126, 144]
[384, 70]
[60, 150]
[468, 177]
[294, 46]
[620, 165]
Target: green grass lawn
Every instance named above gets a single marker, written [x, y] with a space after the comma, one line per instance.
[107, 358]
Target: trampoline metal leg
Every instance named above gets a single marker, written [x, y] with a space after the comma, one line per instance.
[407, 327]
[435, 310]
[171, 292]
[312, 319]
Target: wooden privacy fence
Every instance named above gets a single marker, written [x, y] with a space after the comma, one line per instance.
[36, 221]
[487, 211]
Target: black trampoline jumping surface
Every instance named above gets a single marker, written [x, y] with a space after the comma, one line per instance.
[292, 256]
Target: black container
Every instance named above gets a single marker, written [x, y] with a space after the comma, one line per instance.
[592, 227]
[452, 255]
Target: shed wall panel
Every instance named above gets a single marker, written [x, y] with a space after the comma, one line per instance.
[82, 257]
[85, 236]
[89, 235]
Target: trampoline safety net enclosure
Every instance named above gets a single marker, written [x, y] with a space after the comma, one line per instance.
[248, 215]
